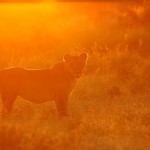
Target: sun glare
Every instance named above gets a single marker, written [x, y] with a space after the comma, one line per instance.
[27, 7]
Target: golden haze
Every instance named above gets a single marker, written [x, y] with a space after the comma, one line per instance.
[109, 107]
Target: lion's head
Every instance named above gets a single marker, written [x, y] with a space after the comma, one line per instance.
[75, 64]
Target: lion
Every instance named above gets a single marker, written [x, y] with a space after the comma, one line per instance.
[42, 85]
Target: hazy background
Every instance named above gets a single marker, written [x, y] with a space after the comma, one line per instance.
[109, 108]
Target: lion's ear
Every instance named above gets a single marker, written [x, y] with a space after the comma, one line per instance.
[67, 57]
[84, 56]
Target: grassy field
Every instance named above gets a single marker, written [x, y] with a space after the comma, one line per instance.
[109, 108]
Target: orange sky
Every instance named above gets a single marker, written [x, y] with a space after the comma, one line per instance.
[66, 1]
[59, 23]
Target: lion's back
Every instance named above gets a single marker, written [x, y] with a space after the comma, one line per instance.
[10, 78]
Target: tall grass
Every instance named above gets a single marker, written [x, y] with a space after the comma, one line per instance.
[109, 109]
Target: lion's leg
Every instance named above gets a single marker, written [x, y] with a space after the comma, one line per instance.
[7, 102]
[61, 105]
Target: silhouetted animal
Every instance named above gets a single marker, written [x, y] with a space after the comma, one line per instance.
[39, 86]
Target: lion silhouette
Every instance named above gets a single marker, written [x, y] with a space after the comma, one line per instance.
[39, 86]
